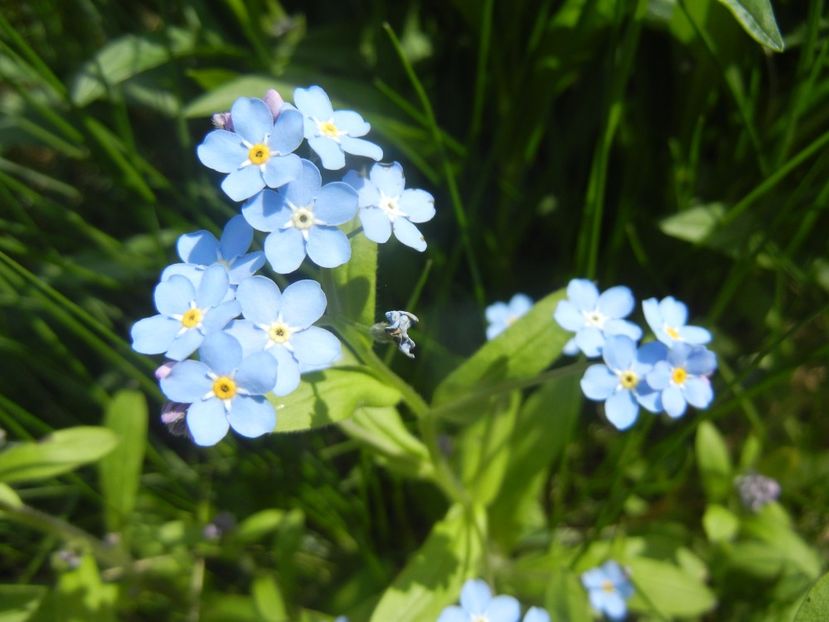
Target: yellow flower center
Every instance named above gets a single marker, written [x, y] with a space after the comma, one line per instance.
[673, 333]
[479, 618]
[191, 318]
[679, 375]
[279, 332]
[303, 218]
[259, 153]
[327, 128]
[607, 586]
[628, 379]
[224, 388]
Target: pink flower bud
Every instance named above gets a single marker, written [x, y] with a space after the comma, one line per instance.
[162, 372]
[274, 101]
[222, 121]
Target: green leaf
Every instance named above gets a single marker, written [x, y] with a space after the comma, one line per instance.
[9, 497]
[435, 573]
[524, 349]
[330, 396]
[714, 462]
[816, 604]
[773, 526]
[565, 598]
[120, 471]
[695, 224]
[667, 589]
[757, 19]
[268, 599]
[222, 97]
[58, 453]
[19, 602]
[356, 281]
[83, 596]
[720, 524]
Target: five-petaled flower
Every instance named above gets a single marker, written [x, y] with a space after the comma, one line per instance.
[224, 390]
[281, 323]
[501, 315]
[187, 313]
[333, 134]
[302, 218]
[608, 588]
[594, 317]
[621, 382]
[258, 152]
[667, 318]
[478, 605]
[386, 205]
[682, 378]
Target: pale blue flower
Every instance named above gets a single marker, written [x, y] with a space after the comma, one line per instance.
[667, 318]
[224, 390]
[477, 603]
[187, 313]
[682, 378]
[281, 323]
[594, 317]
[201, 249]
[302, 218]
[258, 152]
[608, 588]
[501, 315]
[621, 382]
[386, 205]
[535, 614]
[333, 134]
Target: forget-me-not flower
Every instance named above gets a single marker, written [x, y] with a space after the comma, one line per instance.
[224, 390]
[667, 319]
[302, 218]
[333, 134]
[186, 314]
[386, 205]
[594, 317]
[501, 315]
[201, 249]
[478, 605]
[608, 588]
[258, 152]
[281, 323]
[536, 614]
[621, 382]
[682, 378]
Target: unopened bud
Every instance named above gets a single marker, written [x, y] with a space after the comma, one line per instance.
[164, 370]
[174, 416]
[757, 490]
[222, 121]
[274, 101]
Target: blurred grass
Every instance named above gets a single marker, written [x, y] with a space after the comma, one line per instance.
[650, 143]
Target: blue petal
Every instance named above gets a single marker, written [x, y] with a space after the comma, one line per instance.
[351, 122]
[252, 416]
[388, 178]
[650, 354]
[698, 392]
[187, 382]
[570, 348]
[475, 596]
[243, 183]
[674, 313]
[222, 151]
[245, 266]
[616, 302]
[221, 352]
[236, 238]
[199, 247]
[673, 402]
[303, 303]
[184, 344]
[568, 316]
[701, 361]
[327, 247]
[213, 287]
[495, 329]
[648, 398]
[653, 316]
[598, 383]
[251, 338]
[503, 609]
[534, 614]
[418, 205]
[285, 250]
[453, 614]
[622, 327]
[376, 225]
[315, 348]
[619, 352]
[257, 374]
[621, 409]
[304, 189]
[266, 211]
[408, 234]
[287, 371]
[360, 147]
[173, 296]
[593, 579]
[660, 376]
[189, 271]
[614, 573]
[336, 203]
[153, 335]
[583, 294]
[591, 341]
[694, 334]
[252, 119]
[678, 354]
[367, 193]
[314, 102]
[329, 151]
[615, 606]
[207, 422]
[520, 304]
[219, 316]
[288, 132]
[281, 170]
[260, 299]
[497, 312]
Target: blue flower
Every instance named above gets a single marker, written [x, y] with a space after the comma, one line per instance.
[258, 152]
[621, 382]
[224, 390]
[186, 314]
[385, 205]
[682, 378]
[281, 324]
[501, 315]
[535, 614]
[477, 603]
[333, 134]
[302, 218]
[608, 588]
[667, 319]
[594, 317]
[201, 249]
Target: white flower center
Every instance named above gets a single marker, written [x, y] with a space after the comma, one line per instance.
[390, 206]
[329, 129]
[594, 318]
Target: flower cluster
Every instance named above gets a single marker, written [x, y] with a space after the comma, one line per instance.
[608, 588]
[477, 604]
[253, 339]
[665, 375]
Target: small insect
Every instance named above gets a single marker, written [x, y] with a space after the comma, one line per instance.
[395, 329]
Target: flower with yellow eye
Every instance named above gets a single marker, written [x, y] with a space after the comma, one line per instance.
[667, 318]
[682, 378]
[608, 588]
[479, 605]
[621, 382]
[501, 315]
